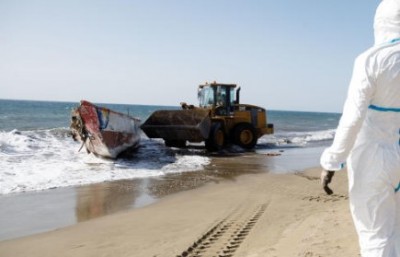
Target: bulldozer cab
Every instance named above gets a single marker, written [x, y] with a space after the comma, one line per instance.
[220, 97]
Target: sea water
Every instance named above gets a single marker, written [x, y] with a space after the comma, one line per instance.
[38, 153]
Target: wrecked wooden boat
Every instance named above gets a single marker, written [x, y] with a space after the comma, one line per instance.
[102, 131]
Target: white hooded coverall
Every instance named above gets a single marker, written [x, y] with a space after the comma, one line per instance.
[368, 138]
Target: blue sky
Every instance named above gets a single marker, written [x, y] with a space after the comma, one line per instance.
[286, 55]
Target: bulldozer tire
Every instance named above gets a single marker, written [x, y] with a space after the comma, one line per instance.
[175, 143]
[244, 135]
[216, 139]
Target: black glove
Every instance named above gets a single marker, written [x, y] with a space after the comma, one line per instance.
[326, 178]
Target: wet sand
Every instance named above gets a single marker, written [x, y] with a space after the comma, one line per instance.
[236, 208]
[22, 214]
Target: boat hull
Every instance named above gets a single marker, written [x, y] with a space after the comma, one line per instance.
[104, 132]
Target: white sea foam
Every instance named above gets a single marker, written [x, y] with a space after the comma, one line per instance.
[38, 160]
[304, 138]
[298, 138]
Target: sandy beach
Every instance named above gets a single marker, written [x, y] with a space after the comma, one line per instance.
[260, 214]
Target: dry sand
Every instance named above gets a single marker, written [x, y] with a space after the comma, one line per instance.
[250, 215]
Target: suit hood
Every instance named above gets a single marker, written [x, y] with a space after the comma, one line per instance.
[387, 21]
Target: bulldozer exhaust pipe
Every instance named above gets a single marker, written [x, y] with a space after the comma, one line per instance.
[238, 95]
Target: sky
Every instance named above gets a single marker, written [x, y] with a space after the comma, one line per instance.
[285, 55]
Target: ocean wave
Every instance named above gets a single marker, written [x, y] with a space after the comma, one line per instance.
[45, 159]
[49, 158]
[298, 138]
[25, 142]
[304, 138]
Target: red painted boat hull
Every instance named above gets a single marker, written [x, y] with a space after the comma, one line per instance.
[104, 132]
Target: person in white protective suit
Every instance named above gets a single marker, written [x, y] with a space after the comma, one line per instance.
[367, 139]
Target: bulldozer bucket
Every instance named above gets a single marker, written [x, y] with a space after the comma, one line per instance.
[178, 125]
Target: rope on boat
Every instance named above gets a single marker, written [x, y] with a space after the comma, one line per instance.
[83, 143]
[79, 129]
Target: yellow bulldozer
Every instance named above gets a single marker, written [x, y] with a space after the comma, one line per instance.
[218, 120]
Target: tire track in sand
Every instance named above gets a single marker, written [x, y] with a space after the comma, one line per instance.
[225, 237]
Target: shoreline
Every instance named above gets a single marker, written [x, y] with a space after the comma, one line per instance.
[23, 213]
[261, 214]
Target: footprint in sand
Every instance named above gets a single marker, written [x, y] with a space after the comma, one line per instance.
[326, 198]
